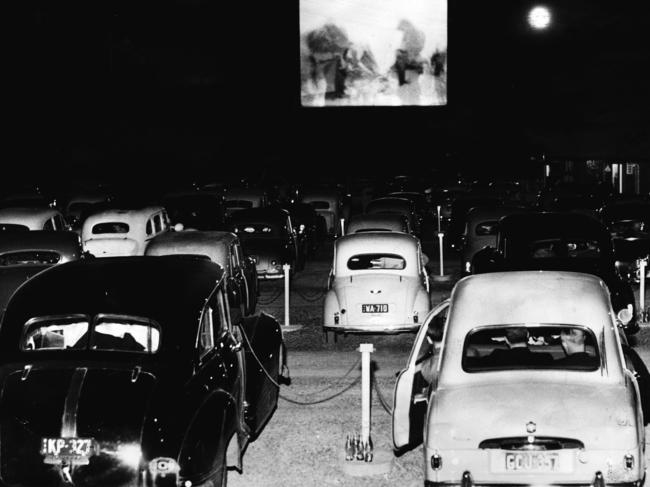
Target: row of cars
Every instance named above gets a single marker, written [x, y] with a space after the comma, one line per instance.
[147, 369]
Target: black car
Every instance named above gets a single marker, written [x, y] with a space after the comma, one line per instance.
[267, 235]
[629, 224]
[197, 210]
[128, 371]
[559, 241]
[310, 227]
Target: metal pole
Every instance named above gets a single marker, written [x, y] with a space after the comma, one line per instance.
[286, 268]
[366, 349]
[642, 265]
[439, 208]
[620, 178]
[440, 244]
[342, 226]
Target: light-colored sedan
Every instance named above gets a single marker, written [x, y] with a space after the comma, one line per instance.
[533, 384]
[377, 284]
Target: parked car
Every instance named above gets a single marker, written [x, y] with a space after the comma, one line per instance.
[378, 222]
[562, 407]
[378, 284]
[243, 199]
[32, 218]
[267, 235]
[328, 204]
[559, 241]
[24, 254]
[129, 371]
[629, 225]
[196, 210]
[123, 231]
[459, 209]
[481, 231]
[223, 248]
[78, 205]
[310, 227]
[396, 206]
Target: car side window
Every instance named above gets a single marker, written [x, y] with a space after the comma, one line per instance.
[49, 224]
[206, 333]
[157, 223]
[149, 227]
[234, 258]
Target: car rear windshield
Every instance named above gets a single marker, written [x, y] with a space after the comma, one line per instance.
[376, 262]
[554, 248]
[29, 257]
[79, 332]
[111, 227]
[13, 227]
[239, 204]
[530, 346]
[320, 205]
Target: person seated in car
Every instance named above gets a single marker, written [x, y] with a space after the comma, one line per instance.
[573, 342]
[517, 353]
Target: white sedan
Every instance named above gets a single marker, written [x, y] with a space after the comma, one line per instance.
[378, 284]
[533, 384]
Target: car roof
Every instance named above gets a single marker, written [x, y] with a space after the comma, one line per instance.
[375, 220]
[213, 244]
[484, 213]
[529, 296]
[171, 290]
[27, 215]
[239, 193]
[120, 214]
[61, 241]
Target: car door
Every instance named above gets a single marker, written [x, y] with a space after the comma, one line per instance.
[416, 383]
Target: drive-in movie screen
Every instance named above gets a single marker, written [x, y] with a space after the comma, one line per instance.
[373, 53]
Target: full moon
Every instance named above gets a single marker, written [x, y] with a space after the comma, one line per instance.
[539, 18]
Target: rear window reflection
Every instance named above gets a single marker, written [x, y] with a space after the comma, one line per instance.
[376, 262]
[486, 228]
[111, 227]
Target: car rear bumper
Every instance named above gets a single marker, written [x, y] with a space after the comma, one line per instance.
[382, 328]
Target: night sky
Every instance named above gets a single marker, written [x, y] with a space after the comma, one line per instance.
[201, 87]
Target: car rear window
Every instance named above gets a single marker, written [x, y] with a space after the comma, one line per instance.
[79, 332]
[376, 262]
[111, 227]
[486, 228]
[320, 205]
[574, 248]
[530, 346]
[13, 227]
[29, 257]
[239, 204]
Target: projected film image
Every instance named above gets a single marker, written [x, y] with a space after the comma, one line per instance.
[373, 52]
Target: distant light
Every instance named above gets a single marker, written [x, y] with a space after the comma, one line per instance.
[539, 17]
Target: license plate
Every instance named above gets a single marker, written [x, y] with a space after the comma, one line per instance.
[57, 450]
[532, 462]
[374, 308]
